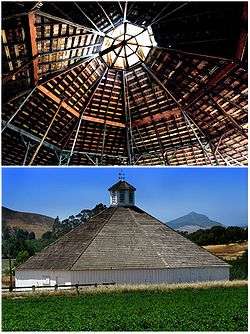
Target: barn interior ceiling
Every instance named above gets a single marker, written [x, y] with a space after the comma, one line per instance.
[124, 83]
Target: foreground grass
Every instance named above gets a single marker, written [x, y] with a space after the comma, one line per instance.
[189, 309]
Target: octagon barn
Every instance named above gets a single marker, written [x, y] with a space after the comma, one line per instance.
[122, 244]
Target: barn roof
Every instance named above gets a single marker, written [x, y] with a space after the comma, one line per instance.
[121, 238]
[77, 93]
[122, 185]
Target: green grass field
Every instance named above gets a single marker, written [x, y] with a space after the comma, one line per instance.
[210, 309]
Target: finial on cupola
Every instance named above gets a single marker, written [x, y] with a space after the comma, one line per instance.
[122, 193]
[121, 176]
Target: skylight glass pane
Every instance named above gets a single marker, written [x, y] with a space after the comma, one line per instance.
[120, 62]
[138, 40]
[133, 59]
[122, 54]
[132, 41]
[128, 51]
[143, 39]
[133, 30]
[133, 47]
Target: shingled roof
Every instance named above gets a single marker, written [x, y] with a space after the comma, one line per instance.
[121, 238]
[122, 185]
[180, 102]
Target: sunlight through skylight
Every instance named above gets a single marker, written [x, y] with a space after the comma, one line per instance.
[129, 44]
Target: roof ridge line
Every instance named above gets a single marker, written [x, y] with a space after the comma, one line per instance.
[198, 246]
[114, 209]
[163, 261]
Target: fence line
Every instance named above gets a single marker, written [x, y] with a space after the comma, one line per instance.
[56, 286]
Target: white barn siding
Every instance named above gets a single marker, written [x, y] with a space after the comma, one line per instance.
[41, 278]
[131, 276]
[178, 275]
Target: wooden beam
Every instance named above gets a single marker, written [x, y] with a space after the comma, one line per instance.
[59, 19]
[212, 82]
[227, 115]
[220, 74]
[44, 136]
[241, 46]
[157, 117]
[77, 113]
[11, 74]
[33, 44]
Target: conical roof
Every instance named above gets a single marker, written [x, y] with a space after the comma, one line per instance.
[121, 238]
[122, 185]
[88, 95]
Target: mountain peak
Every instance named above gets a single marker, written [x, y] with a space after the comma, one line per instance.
[192, 222]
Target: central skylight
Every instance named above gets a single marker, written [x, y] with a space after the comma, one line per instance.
[128, 44]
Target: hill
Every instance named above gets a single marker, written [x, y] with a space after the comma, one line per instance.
[192, 222]
[230, 251]
[28, 221]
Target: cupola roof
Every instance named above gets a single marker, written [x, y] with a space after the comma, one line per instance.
[122, 185]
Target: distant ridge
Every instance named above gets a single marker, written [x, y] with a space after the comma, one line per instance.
[35, 222]
[192, 222]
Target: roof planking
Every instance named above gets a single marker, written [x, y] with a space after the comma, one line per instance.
[121, 238]
[185, 104]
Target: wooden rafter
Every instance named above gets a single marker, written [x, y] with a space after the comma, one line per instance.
[77, 113]
[221, 73]
[156, 117]
[243, 33]
[33, 44]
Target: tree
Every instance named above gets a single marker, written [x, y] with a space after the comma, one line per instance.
[32, 236]
[22, 256]
[56, 224]
[97, 209]
[48, 235]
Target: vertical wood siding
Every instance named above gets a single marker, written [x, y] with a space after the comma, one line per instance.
[178, 275]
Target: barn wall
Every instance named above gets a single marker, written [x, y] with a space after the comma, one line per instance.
[178, 275]
[151, 276]
[41, 278]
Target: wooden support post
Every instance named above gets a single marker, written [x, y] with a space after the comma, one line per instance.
[10, 274]
[33, 288]
[77, 289]
[56, 287]
[33, 37]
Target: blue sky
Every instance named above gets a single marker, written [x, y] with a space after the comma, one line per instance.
[166, 193]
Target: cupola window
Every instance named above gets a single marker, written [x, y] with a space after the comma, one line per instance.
[122, 196]
[131, 197]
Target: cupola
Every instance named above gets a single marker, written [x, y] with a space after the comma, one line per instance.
[122, 194]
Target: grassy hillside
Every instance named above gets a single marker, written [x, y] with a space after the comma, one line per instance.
[37, 223]
[190, 309]
[228, 251]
